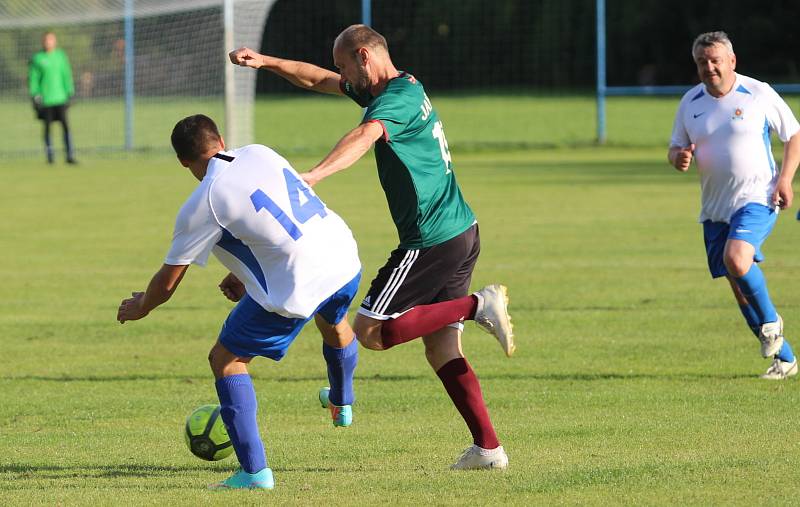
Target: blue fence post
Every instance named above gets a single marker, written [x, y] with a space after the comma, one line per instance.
[366, 12]
[601, 71]
[129, 69]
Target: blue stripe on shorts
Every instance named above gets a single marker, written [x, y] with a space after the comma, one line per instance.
[752, 223]
[251, 331]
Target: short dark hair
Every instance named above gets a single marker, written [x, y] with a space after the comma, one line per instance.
[193, 136]
[359, 36]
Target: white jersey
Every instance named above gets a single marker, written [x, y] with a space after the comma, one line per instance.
[269, 229]
[731, 135]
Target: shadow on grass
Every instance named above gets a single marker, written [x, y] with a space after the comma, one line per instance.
[111, 378]
[568, 377]
[96, 471]
[23, 472]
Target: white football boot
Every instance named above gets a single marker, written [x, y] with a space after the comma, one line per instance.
[492, 315]
[780, 370]
[478, 458]
[771, 337]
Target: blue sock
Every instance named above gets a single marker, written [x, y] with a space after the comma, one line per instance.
[751, 318]
[754, 287]
[341, 365]
[785, 354]
[238, 401]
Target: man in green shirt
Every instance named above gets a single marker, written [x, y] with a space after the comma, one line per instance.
[50, 85]
[422, 291]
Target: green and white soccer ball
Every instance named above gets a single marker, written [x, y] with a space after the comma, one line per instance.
[206, 435]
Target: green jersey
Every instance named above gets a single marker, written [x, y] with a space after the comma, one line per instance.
[50, 77]
[414, 164]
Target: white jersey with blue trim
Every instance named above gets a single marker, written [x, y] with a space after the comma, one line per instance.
[731, 135]
[269, 229]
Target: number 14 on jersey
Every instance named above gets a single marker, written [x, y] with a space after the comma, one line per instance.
[302, 212]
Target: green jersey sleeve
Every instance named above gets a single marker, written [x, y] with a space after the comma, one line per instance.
[395, 111]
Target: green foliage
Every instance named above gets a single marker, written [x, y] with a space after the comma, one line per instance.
[544, 45]
[634, 381]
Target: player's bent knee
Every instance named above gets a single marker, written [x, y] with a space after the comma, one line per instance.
[738, 266]
[215, 362]
[368, 332]
[369, 341]
[221, 359]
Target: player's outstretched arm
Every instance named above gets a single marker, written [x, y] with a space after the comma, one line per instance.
[784, 195]
[681, 157]
[347, 151]
[160, 289]
[302, 74]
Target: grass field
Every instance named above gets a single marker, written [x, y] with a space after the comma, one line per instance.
[310, 124]
[306, 124]
[635, 379]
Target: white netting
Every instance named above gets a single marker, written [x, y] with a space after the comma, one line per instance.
[178, 68]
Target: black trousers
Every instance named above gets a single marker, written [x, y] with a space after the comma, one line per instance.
[49, 115]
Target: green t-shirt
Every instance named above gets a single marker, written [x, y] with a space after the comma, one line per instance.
[414, 164]
[50, 76]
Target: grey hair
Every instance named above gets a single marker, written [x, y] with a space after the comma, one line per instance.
[708, 39]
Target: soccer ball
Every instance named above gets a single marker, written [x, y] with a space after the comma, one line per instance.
[206, 435]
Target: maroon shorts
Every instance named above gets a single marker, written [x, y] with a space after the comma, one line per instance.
[419, 277]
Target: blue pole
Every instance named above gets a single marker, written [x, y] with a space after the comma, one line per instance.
[366, 12]
[601, 71]
[129, 67]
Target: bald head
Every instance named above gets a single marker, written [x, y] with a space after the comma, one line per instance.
[362, 57]
[360, 36]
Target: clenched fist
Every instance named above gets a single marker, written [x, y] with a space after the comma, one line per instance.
[245, 57]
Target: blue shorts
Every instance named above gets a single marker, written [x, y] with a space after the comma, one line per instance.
[251, 331]
[751, 223]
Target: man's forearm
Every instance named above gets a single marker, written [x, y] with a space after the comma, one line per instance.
[301, 74]
[162, 286]
[791, 158]
[347, 151]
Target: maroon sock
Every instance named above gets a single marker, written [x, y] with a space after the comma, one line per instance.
[423, 320]
[462, 385]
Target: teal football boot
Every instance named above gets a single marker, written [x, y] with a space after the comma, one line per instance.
[244, 480]
[341, 416]
[323, 396]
